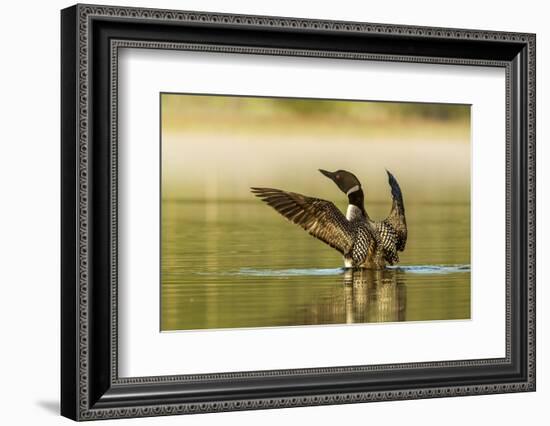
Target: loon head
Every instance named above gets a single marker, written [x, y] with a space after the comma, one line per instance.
[346, 181]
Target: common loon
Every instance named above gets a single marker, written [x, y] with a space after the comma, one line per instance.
[363, 242]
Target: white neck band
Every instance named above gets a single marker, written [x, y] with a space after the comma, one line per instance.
[355, 188]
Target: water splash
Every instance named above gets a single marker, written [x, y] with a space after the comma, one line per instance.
[413, 269]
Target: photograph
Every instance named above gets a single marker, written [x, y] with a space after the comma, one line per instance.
[279, 212]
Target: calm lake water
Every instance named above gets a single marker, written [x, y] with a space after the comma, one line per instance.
[240, 264]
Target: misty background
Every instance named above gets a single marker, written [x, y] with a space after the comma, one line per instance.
[216, 147]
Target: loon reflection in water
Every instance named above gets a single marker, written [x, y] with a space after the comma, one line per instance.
[371, 296]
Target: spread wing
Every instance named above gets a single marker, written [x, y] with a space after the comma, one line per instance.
[320, 218]
[396, 218]
[389, 241]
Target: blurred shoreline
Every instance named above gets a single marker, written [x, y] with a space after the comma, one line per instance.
[285, 116]
[413, 128]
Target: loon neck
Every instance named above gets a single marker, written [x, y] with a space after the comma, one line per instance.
[357, 198]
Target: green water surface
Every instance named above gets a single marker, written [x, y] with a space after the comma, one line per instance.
[240, 264]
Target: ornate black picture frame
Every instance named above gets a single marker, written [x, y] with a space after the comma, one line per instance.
[91, 36]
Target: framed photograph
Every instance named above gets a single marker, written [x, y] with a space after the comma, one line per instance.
[263, 212]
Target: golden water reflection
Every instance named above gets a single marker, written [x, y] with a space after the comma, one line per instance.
[233, 265]
[374, 296]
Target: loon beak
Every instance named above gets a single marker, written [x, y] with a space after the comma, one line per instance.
[330, 175]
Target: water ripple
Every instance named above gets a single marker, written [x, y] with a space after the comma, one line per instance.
[251, 272]
[413, 269]
[431, 269]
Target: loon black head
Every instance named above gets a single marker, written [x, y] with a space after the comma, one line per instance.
[349, 185]
[346, 181]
